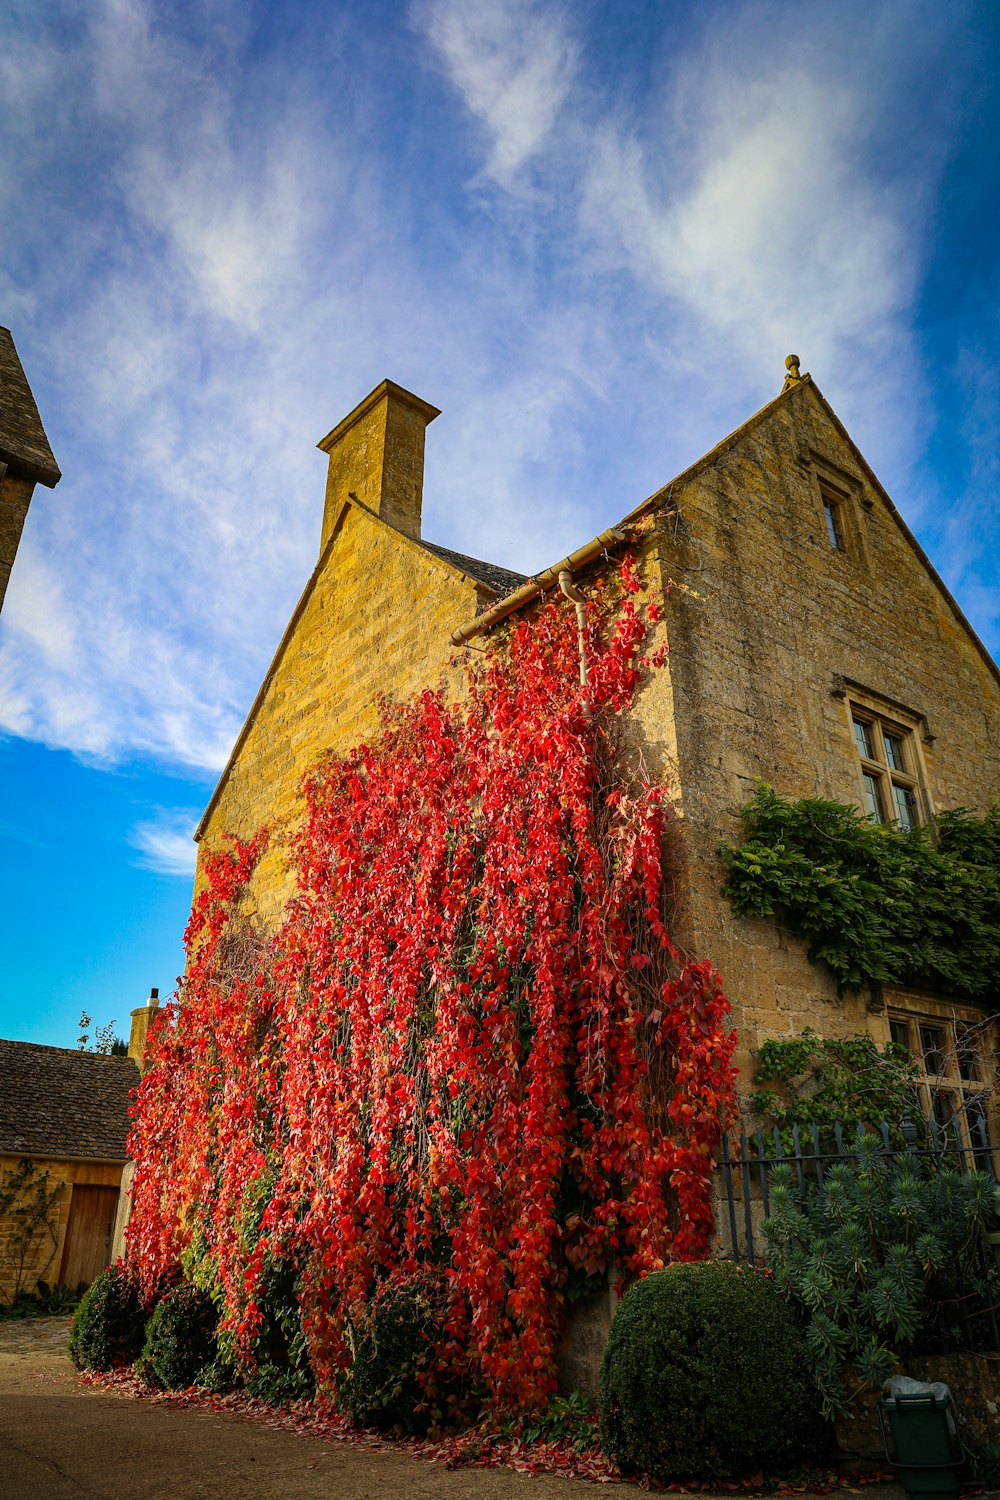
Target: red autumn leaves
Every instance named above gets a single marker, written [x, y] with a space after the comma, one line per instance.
[471, 1044]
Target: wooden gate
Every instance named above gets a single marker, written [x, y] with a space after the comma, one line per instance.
[87, 1249]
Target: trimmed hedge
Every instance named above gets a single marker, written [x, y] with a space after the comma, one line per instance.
[706, 1375]
[180, 1339]
[109, 1325]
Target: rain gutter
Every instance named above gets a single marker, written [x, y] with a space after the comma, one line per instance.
[548, 578]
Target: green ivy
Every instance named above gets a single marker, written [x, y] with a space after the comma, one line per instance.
[810, 1080]
[919, 909]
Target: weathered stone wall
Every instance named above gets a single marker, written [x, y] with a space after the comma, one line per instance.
[15, 497]
[375, 620]
[767, 622]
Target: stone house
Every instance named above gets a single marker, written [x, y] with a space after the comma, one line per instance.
[65, 1114]
[64, 1124]
[25, 456]
[811, 645]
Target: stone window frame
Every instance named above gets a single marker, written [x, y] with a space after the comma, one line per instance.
[840, 498]
[888, 767]
[887, 719]
[955, 1052]
[835, 513]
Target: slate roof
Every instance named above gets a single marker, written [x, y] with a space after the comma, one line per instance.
[500, 580]
[55, 1103]
[23, 444]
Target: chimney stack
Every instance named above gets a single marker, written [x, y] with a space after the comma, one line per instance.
[377, 455]
[141, 1017]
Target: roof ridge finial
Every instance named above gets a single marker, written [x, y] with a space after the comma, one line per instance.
[793, 375]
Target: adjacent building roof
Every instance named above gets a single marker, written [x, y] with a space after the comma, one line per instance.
[23, 444]
[58, 1103]
[500, 580]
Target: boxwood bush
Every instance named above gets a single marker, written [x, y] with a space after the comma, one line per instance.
[706, 1375]
[109, 1325]
[391, 1381]
[180, 1339]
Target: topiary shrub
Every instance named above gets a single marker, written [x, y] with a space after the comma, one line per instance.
[180, 1339]
[392, 1344]
[109, 1325]
[705, 1375]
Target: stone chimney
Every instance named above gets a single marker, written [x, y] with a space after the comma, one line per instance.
[141, 1018]
[377, 454]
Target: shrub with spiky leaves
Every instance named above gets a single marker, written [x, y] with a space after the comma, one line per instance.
[886, 1261]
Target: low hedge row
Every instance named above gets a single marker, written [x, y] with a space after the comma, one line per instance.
[705, 1374]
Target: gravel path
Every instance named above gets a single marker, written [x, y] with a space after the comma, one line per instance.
[34, 1335]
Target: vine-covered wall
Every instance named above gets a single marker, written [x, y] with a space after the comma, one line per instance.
[471, 1046]
[771, 630]
[918, 909]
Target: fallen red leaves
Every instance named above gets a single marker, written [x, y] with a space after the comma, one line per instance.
[474, 1447]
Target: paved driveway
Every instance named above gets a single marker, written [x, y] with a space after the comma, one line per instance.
[60, 1440]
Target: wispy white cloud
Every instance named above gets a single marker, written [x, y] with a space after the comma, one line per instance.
[166, 843]
[752, 203]
[514, 62]
[203, 287]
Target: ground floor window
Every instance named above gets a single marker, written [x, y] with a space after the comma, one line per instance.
[956, 1061]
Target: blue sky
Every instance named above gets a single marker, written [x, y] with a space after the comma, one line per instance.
[590, 233]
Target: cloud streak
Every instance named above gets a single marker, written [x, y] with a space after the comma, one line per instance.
[216, 247]
[514, 62]
[166, 844]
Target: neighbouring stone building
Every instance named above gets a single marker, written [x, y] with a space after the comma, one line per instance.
[64, 1124]
[811, 645]
[64, 1115]
[25, 456]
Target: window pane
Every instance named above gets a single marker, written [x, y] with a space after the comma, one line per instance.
[899, 1032]
[932, 1046]
[863, 736]
[873, 798]
[833, 527]
[979, 1133]
[906, 807]
[894, 751]
[967, 1048]
[943, 1111]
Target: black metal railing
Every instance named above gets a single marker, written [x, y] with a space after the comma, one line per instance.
[747, 1161]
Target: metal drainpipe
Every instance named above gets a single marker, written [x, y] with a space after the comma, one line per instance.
[572, 593]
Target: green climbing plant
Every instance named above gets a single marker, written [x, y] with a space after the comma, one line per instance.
[809, 1080]
[917, 908]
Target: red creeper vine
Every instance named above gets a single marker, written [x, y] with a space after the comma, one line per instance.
[471, 1045]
